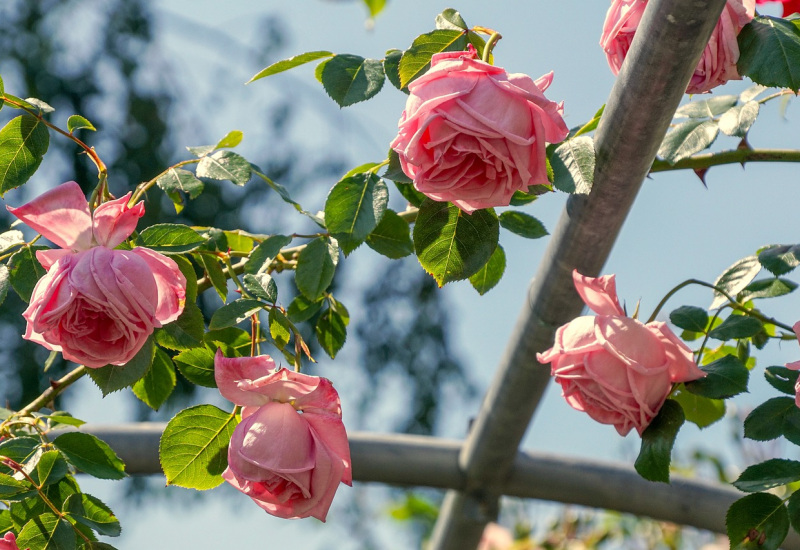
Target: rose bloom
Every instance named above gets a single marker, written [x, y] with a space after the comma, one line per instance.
[616, 369]
[473, 134]
[290, 451]
[96, 305]
[789, 6]
[796, 366]
[9, 542]
[717, 65]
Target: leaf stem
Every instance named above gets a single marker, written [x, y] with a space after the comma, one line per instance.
[490, 44]
[741, 156]
[55, 388]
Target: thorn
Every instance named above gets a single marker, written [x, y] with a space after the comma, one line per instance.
[701, 173]
[744, 145]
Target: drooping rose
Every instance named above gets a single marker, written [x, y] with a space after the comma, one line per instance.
[789, 6]
[9, 542]
[473, 134]
[290, 451]
[796, 366]
[96, 305]
[616, 369]
[717, 65]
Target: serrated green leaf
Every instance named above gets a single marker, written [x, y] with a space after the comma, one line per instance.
[767, 288]
[655, 454]
[331, 329]
[302, 309]
[738, 121]
[215, 274]
[766, 475]
[159, 382]
[521, 199]
[417, 59]
[724, 378]
[394, 172]
[699, 410]
[194, 447]
[225, 165]
[10, 239]
[280, 328]
[170, 238]
[177, 181]
[116, 377]
[234, 313]
[391, 67]
[90, 455]
[39, 105]
[590, 126]
[231, 139]
[264, 253]
[770, 48]
[261, 286]
[707, 108]
[24, 271]
[737, 326]
[186, 332]
[782, 379]
[19, 449]
[765, 422]
[573, 165]
[688, 138]
[689, 318]
[23, 142]
[197, 366]
[9, 487]
[452, 245]
[5, 283]
[292, 62]
[50, 468]
[316, 265]
[349, 79]
[77, 122]
[392, 237]
[92, 512]
[47, 532]
[734, 279]
[354, 207]
[757, 513]
[490, 274]
[451, 19]
[779, 259]
[201, 150]
[793, 509]
[522, 224]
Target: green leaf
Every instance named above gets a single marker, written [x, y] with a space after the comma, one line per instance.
[688, 138]
[354, 208]
[689, 318]
[375, 6]
[234, 313]
[782, 379]
[331, 329]
[232, 338]
[394, 172]
[490, 274]
[280, 328]
[302, 309]
[779, 259]
[185, 332]
[391, 66]
[23, 143]
[452, 245]
[116, 377]
[25, 271]
[452, 20]
[10, 239]
[522, 224]
[197, 366]
[50, 468]
[738, 121]
[392, 237]
[215, 274]
[194, 447]
[766, 475]
[766, 421]
[737, 326]
[19, 449]
[90, 455]
[188, 271]
[316, 265]
[349, 79]
[707, 108]
[5, 283]
[292, 62]
[573, 165]
[794, 510]
[770, 48]
[176, 181]
[40, 105]
[657, 441]
[9, 487]
[734, 279]
[261, 286]
[262, 255]
[521, 199]
[93, 513]
[77, 122]
[225, 165]
[231, 139]
[170, 238]
[64, 418]
[158, 383]
[47, 532]
[767, 288]
[757, 514]
[590, 126]
[417, 59]
[699, 410]
[200, 151]
[725, 378]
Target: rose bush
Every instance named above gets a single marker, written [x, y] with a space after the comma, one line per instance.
[96, 305]
[473, 134]
[616, 369]
[717, 65]
[289, 463]
[9, 542]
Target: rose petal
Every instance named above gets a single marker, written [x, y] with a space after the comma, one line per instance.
[114, 221]
[599, 293]
[170, 284]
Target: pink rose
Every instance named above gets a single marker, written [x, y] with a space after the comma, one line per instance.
[789, 6]
[473, 134]
[495, 537]
[9, 542]
[796, 366]
[718, 62]
[95, 305]
[616, 369]
[289, 463]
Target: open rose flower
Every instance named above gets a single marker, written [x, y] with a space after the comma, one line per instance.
[290, 451]
[796, 366]
[473, 134]
[718, 62]
[96, 305]
[789, 6]
[9, 542]
[616, 369]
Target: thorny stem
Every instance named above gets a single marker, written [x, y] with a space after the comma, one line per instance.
[55, 388]
[740, 156]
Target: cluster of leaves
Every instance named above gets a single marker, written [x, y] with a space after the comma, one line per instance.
[39, 457]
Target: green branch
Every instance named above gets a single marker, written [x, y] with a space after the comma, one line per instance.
[740, 156]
